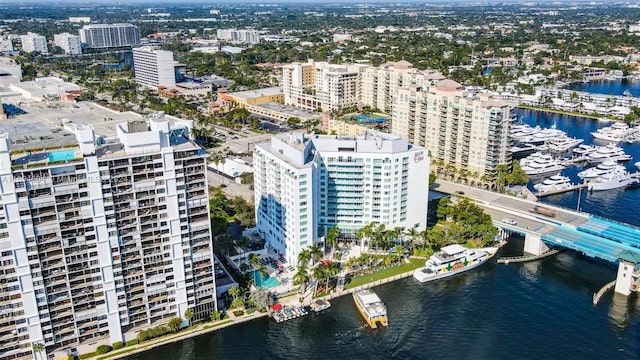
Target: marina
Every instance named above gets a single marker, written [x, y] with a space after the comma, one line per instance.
[285, 313]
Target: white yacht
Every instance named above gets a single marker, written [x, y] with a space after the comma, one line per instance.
[556, 182]
[522, 149]
[614, 133]
[562, 143]
[637, 165]
[524, 133]
[584, 150]
[609, 152]
[612, 180]
[541, 164]
[451, 260]
[604, 168]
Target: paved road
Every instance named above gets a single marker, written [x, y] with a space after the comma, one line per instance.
[501, 206]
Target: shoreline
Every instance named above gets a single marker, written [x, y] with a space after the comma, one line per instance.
[562, 112]
[206, 327]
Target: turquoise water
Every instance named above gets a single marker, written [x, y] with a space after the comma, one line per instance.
[265, 282]
[368, 118]
[62, 155]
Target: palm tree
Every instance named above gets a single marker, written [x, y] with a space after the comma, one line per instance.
[234, 292]
[315, 252]
[188, 314]
[38, 348]
[254, 260]
[318, 273]
[332, 237]
[411, 234]
[303, 258]
[301, 276]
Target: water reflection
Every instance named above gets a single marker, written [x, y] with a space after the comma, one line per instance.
[618, 311]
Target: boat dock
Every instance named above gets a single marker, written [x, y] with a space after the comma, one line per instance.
[574, 187]
[288, 313]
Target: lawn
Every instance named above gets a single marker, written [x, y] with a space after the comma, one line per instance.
[383, 274]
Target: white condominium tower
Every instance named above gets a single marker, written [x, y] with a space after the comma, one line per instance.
[71, 44]
[154, 67]
[110, 35]
[307, 184]
[466, 129]
[102, 237]
[34, 42]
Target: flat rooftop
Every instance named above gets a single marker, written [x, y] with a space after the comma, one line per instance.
[251, 94]
[289, 110]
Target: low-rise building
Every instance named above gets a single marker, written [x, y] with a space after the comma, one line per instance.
[251, 97]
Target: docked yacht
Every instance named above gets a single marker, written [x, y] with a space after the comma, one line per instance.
[523, 133]
[612, 180]
[538, 163]
[371, 308]
[451, 260]
[556, 182]
[602, 169]
[523, 149]
[584, 150]
[637, 164]
[562, 144]
[614, 133]
[609, 152]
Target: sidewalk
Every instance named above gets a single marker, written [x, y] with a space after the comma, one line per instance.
[197, 330]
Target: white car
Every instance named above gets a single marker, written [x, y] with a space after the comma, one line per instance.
[509, 221]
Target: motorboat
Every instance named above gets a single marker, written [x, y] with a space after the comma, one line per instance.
[371, 308]
[562, 143]
[612, 180]
[614, 133]
[523, 133]
[556, 182]
[637, 165]
[609, 152]
[522, 149]
[602, 169]
[633, 184]
[543, 164]
[320, 305]
[451, 260]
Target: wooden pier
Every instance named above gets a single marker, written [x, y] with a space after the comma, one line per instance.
[574, 187]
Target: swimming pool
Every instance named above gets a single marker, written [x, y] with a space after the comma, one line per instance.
[368, 118]
[265, 281]
[62, 155]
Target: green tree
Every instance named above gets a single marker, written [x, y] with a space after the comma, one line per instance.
[174, 324]
[331, 237]
[38, 348]
[188, 315]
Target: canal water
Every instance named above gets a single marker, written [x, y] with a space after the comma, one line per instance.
[608, 87]
[539, 310]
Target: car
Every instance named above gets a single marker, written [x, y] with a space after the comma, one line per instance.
[509, 221]
[459, 192]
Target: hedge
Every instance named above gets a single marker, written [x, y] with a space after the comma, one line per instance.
[103, 349]
[118, 345]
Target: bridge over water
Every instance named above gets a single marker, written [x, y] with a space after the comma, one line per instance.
[592, 236]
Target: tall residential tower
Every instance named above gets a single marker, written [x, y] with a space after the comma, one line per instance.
[307, 184]
[464, 128]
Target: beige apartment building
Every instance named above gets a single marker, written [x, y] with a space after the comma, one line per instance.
[464, 128]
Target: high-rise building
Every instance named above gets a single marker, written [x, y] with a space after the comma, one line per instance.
[239, 36]
[464, 128]
[154, 67]
[102, 237]
[322, 85]
[109, 35]
[379, 85]
[71, 44]
[314, 85]
[305, 185]
[34, 42]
